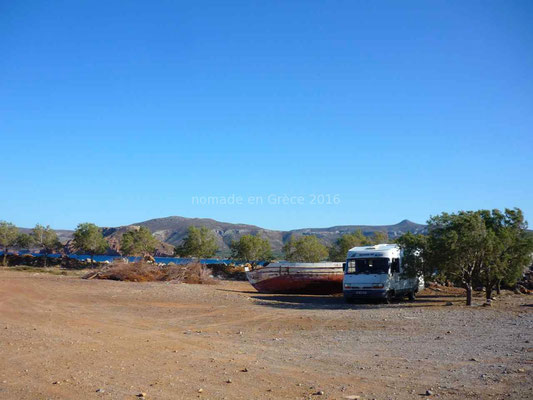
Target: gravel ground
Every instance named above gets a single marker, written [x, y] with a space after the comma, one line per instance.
[62, 337]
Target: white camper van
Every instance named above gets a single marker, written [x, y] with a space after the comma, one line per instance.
[376, 272]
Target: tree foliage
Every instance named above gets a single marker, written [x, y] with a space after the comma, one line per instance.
[199, 242]
[46, 239]
[510, 248]
[251, 248]
[339, 250]
[24, 241]
[471, 247]
[88, 238]
[379, 237]
[414, 249]
[458, 246]
[344, 243]
[8, 238]
[305, 249]
[138, 242]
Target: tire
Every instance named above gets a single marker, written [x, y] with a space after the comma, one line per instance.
[390, 297]
[412, 295]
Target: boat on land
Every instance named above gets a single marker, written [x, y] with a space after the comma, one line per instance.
[286, 277]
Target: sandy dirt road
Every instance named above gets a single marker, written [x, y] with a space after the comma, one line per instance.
[62, 337]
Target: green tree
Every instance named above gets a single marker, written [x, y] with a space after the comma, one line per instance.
[483, 246]
[305, 249]
[379, 237]
[414, 248]
[8, 238]
[46, 239]
[519, 259]
[510, 250]
[251, 248]
[344, 243]
[459, 246]
[199, 242]
[24, 241]
[138, 242]
[88, 238]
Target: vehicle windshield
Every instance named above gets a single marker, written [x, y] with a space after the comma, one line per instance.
[368, 266]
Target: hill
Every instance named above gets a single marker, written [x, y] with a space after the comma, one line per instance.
[172, 230]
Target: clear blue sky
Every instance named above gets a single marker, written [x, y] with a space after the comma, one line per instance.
[115, 112]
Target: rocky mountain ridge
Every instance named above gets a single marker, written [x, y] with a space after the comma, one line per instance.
[171, 231]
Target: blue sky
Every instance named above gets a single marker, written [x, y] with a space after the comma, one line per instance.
[117, 112]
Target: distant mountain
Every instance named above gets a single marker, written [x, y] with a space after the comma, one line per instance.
[64, 235]
[172, 230]
[330, 235]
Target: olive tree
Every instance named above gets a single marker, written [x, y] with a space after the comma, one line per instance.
[485, 247]
[344, 243]
[251, 248]
[379, 237]
[199, 242]
[510, 250]
[24, 241]
[459, 245]
[46, 239]
[88, 238]
[138, 242]
[305, 249]
[414, 249]
[8, 238]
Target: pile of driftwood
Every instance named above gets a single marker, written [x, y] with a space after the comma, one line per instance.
[142, 271]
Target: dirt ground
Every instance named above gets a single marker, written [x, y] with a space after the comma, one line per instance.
[62, 337]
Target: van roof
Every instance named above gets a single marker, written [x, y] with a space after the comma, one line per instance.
[376, 247]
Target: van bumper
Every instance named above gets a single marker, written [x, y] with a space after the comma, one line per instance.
[365, 293]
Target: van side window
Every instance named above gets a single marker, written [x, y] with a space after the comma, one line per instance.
[395, 265]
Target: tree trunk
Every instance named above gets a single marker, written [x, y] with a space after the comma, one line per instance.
[488, 284]
[45, 258]
[488, 291]
[4, 261]
[92, 259]
[468, 294]
[498, 288]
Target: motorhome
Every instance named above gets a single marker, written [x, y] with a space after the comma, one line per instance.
[377, 272]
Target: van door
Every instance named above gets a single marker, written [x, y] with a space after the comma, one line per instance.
[405, 283]
[395, 270]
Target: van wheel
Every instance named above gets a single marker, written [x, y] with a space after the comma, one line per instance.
[412, 295]
[389, 297]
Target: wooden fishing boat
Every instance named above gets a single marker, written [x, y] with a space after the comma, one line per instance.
[285, 277]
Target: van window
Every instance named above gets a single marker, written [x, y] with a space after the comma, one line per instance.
[368, 266]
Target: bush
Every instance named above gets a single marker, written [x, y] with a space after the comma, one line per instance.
[32, 261]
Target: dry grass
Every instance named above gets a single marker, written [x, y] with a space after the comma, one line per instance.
[54, 270]
[147, 272]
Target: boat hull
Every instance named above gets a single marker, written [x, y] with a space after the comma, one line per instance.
[320, 278]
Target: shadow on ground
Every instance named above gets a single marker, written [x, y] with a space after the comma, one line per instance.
[337, 302]
[238, 291]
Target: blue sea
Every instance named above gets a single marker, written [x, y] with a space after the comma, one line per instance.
[165, 260]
